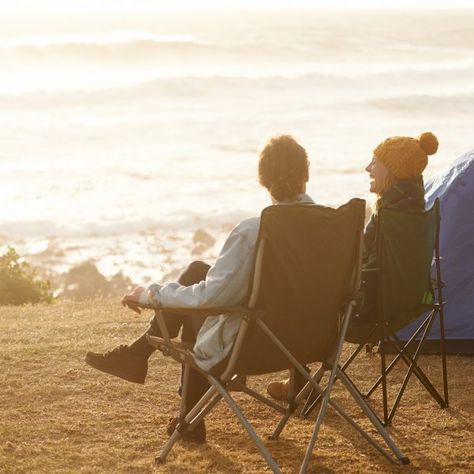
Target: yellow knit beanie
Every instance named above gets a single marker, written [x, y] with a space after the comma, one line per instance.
[406, 157]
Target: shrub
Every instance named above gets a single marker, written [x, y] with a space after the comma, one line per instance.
[19, 283]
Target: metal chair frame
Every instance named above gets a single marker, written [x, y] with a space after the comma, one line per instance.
[220, 385]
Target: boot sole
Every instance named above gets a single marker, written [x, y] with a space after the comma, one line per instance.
[117, 373]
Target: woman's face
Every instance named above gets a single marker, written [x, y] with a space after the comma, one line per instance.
[379, 174]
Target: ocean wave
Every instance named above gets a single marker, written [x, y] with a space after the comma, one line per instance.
[124, 49]
[100, 41]
[183, 220]
[457, 77]
[134, 46]
[425, 102]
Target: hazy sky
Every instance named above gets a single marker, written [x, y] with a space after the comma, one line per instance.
[9, 6]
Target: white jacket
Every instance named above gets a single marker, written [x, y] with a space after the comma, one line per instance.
[226, 284]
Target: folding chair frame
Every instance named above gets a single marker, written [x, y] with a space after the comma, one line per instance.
[389, 336]
[220, 386]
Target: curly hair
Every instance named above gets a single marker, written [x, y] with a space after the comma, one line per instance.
[283, 167]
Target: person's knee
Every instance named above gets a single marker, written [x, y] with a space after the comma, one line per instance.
[194, 273]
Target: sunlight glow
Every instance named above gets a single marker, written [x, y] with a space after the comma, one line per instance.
[117, 6]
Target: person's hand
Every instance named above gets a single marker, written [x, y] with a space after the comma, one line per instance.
[131, 300]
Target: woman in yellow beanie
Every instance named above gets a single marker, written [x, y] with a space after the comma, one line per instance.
[396, 178]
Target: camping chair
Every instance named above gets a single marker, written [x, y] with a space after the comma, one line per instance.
[301, 295]
[406, 245]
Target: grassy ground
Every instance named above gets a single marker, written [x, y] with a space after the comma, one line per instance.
[59, 415]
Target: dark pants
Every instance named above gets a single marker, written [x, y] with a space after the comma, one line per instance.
[194, 273]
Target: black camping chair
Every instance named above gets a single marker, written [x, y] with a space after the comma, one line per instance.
[407, 243]
[301, 296]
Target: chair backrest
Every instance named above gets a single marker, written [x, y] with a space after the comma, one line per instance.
[406, 243]
[305, 275]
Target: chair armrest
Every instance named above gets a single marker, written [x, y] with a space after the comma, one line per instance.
[179, 351]
[203, 311]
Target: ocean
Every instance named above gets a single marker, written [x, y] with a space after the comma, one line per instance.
[124, 136]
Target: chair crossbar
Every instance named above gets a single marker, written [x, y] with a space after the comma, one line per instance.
[402, 350]
[409, 373]
[413, 367]
[409, 360]
[261, 398]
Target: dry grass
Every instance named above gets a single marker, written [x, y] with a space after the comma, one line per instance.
[59, 415]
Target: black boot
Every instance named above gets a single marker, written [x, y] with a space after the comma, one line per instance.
[141, 347]
[120, 362]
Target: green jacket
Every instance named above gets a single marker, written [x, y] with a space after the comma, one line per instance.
[407, 195]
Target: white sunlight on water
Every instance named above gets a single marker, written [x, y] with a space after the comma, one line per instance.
[120, 137]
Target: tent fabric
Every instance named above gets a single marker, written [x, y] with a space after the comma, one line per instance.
[455, 189]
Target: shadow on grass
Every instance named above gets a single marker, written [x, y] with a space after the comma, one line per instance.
[232, 455]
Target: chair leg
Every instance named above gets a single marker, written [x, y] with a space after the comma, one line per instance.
[321, 414]
[409, 373]
[411, 363]
[189, 420]
[312, 402]
[384, 381]
[327, 392]
[182, 413]
[307, 389]
[374, 420]
[372, 416]
[160, 458]
[443, 353]
[417, 371]
[245, 423]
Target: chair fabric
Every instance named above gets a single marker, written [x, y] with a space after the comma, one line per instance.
[405, 249]
[406, 254]
[307, 264]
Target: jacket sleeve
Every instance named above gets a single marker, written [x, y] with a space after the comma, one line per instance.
[226, 282]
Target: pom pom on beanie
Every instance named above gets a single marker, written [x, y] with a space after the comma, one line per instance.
[428, 142]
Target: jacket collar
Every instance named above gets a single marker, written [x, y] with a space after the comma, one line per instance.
[300, 199]
[406, 194]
